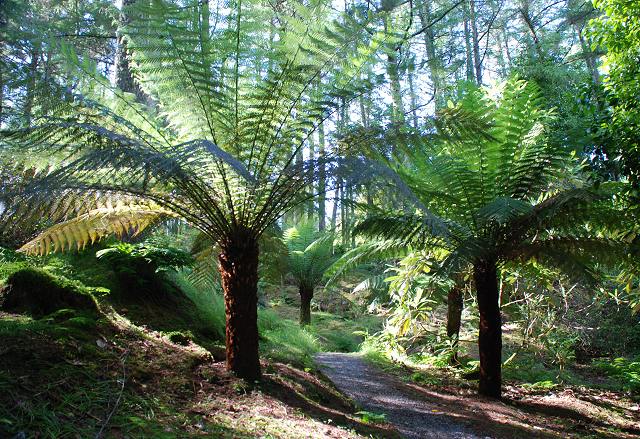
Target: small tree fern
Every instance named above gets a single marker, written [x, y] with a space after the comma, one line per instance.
[310, 255]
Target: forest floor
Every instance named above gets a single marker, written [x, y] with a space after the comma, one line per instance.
[135, 370]
[78, 376]
[108, 378]
[451, 410]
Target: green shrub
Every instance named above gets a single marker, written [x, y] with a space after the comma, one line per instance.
[81, 322]
[528, 369]
[624, 370]
[268, 320]
[137, 258]
[371, 417]
[284, 340]
[8, 268]
[209, 304]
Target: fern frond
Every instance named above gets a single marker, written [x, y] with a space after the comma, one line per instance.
[95, 225]
[363, 254]
[417, 230]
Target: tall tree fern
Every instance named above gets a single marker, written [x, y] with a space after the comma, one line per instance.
[503, 193]
[233, 111]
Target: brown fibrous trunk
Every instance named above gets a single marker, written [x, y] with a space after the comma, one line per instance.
[306, 294]
[490, 337]
[454, 311]
[238, 266]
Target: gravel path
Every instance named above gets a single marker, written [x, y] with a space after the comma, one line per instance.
[378, 392]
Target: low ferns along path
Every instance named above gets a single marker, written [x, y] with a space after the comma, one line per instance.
[380, 393]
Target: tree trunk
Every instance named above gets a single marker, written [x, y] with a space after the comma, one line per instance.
[338, 195]
[124, 77]
[238, 266]
[467, 44]
[477, 62]
[322, 175]
[393, 72]
[306, 294]
[436, 69]
[413, 96]
[32, 82]
[454, 311]
[454, 318]
[490, 338]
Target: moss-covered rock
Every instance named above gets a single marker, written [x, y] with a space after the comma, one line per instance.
[180, 337]
[37, 293]
[62, 315]
[81, 322]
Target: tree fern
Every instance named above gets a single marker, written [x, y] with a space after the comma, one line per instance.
[220, 152]
[503, 194]
[310, 255]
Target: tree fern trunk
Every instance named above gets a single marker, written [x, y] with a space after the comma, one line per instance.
[490, 338]
[238, 266]
[454, 311]
[306, 294]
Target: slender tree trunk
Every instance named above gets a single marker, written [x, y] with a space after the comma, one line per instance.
[322, 186]
[124, 77]
[396, 89]
[504, 67]
[490, 338]
[306, 294]
[507, 50]
[299, 211]
[1, 91]
[238, 266]
[589, 57]
[343, 215]
[454, 318]
[436, 69]
[31, 85]
[338, 195]
[477, 61]
[311, 206]
[413, 96]
[467, 45]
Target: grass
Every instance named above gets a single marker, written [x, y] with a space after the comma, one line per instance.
[281, 337]
[285, 341]
[208, 303]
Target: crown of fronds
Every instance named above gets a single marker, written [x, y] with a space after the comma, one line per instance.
[310, 253]
[503, 192]
[233, 112]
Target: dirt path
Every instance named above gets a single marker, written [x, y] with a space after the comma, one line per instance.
[375, 391]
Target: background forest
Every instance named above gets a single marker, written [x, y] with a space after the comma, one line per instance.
[198, 197]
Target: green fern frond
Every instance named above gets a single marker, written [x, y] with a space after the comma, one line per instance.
[363, 254]
[95, 225]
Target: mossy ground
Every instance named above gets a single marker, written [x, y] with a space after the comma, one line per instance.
[65, 377]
